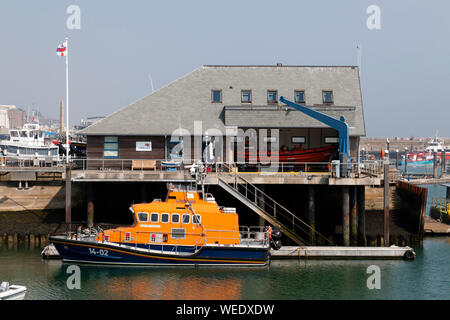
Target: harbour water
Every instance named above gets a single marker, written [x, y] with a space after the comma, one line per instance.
[427, 277]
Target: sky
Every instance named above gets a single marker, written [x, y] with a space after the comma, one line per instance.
[405, 62]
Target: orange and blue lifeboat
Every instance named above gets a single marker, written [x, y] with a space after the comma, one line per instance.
[185, 229]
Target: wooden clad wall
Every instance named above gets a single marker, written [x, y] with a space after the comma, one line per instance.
[127, 150]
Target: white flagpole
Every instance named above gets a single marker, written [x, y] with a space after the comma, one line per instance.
[67, 100]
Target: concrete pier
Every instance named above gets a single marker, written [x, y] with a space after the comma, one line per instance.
[343, 253]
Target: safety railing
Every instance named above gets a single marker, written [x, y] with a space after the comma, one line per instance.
[285, 217]
[251, 236]
[149, 165]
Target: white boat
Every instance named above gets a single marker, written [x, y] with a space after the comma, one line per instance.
[12, 292]
[28, 143]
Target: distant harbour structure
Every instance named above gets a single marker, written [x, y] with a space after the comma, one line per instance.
[61, 118]
[11, 117]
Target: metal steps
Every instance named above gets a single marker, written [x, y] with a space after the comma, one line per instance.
[271, 211]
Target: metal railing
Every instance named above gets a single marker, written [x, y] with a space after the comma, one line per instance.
[285, 217]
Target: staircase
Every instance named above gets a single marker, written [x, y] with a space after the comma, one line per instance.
[271, 211]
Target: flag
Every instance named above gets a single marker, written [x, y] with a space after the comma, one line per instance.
[62, 50]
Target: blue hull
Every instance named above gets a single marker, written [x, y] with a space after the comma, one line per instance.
[102, 253]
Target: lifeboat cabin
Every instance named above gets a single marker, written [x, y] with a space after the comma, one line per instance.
[184, 229]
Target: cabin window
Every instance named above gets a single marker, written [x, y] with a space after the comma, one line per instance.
[327, 96]
[298, 140]
[272, 96]
[143, 216]
[300, 96]
[186, 218]
[196, 219]
[111, 147]
[165, 217]
[216, 96]
[178, 233]
[246, 96]
[127, 236]
[175, 218]
[154, 217]
[270, 139]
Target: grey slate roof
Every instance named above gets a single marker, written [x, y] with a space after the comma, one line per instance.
[188, 99]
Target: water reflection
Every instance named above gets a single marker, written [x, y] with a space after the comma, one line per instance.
[427, 277]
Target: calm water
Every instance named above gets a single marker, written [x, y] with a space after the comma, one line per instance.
[427, 277]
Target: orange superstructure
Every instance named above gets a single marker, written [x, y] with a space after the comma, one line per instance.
[184, 218]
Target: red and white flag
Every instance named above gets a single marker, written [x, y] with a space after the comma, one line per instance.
[62, 50]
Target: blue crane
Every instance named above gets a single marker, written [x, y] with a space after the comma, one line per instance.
[340, 125]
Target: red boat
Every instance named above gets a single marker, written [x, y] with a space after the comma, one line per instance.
[323, 154]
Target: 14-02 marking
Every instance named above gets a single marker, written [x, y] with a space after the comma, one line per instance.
[100, 252]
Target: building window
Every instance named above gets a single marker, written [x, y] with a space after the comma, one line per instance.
[327, 96]
[331, 140]
[272, 96]
[300, 96]
[216, 96]
[270, 139]
[246, 96]
[298, 140]
[111, 147]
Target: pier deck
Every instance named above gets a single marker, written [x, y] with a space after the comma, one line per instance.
[435, 228]
[392, 252]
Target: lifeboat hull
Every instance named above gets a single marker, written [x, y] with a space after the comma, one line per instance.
[96, 252]
[308, 155]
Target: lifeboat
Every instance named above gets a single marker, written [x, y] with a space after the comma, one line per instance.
[185, 229]
[298, 155]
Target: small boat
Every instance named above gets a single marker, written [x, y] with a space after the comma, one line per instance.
[435, 146]
[12, 292]
[185, 229]
[28, 143]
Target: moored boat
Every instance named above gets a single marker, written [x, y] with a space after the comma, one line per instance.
[185, 229]
[12, 292]
[298, 155]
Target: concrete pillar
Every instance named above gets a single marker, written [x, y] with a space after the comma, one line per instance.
[346, 216]
[353, 216]
[90, 205]
[311, 213]
[361, 200]
[68, 194]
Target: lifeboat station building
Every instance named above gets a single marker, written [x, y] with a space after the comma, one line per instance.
[216, 100]
[207, 114]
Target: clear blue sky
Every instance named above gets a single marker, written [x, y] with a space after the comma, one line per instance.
[405, 65]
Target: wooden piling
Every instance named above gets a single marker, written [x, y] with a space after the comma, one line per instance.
[434, 164]
[68, 194]
[353, 216]
[90, 206]
[386, 203]
[346, 216]
[311, 214]
[361, 199]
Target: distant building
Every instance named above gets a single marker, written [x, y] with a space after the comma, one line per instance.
[87, 122]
